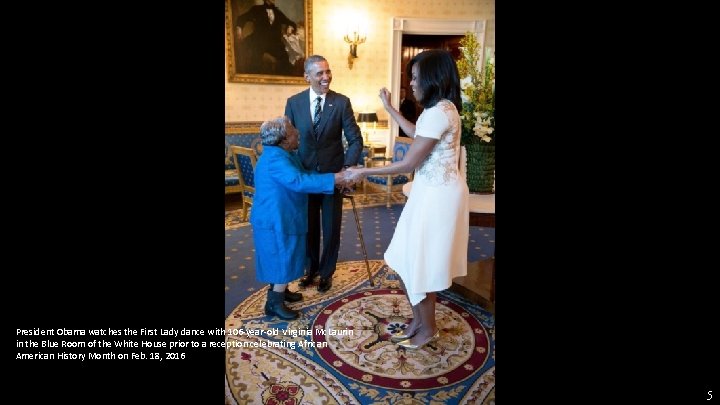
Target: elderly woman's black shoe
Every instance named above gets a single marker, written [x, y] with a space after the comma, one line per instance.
[290, 296]
[275, 306]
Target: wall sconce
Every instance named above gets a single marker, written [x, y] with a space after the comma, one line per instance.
[354, 40]
[365, 118]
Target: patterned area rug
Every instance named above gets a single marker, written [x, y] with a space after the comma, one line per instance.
[339, 350]
[233, 218]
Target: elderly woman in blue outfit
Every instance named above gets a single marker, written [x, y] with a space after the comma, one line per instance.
[279, 213]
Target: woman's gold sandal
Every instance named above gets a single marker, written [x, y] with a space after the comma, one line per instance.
[400, 338]
[406, 343]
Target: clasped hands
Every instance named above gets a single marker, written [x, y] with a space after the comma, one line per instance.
[348, 177]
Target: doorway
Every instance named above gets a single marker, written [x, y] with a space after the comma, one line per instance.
[435, 33]
[413, 44]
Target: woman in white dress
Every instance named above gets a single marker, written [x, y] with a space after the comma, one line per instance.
[429, 247]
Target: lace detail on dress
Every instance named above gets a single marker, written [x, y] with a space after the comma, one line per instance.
[441, 165]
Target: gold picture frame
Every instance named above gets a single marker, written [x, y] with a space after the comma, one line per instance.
[259, 58]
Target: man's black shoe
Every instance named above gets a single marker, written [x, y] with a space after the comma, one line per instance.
[325, 284]
[306, 281]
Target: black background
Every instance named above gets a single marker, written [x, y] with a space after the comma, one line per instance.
[607, 212]
[114, 192]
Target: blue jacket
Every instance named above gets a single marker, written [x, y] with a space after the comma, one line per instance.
[281, 189]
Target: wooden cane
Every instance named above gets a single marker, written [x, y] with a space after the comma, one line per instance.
[362, 241]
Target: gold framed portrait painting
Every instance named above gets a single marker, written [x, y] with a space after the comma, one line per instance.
[268, 40]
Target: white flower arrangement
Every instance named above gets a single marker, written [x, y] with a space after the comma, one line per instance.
[478, 93]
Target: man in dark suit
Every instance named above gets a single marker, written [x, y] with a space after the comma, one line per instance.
[321, 116]
[264, 48]
[407, 109]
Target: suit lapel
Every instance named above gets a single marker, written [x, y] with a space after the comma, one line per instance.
[328, 110]
[304, 121]
[305, 106]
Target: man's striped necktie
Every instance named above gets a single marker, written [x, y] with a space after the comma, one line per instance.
[316, 118]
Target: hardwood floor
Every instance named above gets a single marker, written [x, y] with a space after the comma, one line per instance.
[479, 284]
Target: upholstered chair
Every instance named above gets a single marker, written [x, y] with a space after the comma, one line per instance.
[245, 161]
[387, 182]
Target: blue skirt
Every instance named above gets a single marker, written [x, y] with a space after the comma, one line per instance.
[279, 258]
